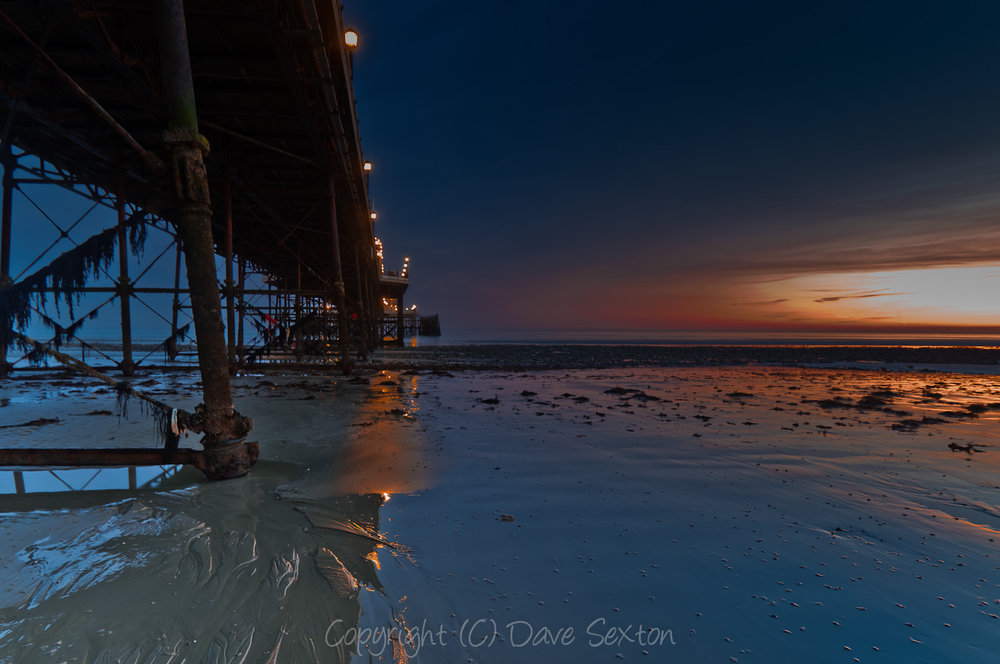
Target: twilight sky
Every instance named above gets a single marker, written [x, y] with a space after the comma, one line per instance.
[667, 166]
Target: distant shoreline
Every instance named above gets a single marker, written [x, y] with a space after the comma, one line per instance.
[513, 357]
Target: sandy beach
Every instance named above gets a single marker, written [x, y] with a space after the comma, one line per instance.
[668, 514]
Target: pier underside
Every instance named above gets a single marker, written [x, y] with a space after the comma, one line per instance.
[214, 152]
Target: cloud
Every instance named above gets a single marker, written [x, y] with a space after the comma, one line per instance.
[764, 303]
[859, 296]
[956, 229]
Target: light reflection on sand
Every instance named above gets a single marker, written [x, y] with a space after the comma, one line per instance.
[757, 513]
[266, 568]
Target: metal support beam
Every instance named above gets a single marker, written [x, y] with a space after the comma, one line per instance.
[242, 309]
[192, 213]
[363, 335]
[228, 255]
[109, 457]
[298, 312]
[399, 320]
[176, 308]
[339, 296]
[147, 156]
[9, 163]
[127, 366]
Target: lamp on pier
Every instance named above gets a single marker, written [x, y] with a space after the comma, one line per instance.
[367, 168]
[351, 38]
[374, 215]
[351, 41]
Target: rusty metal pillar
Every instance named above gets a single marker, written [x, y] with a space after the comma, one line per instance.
[339, 295]
[230, 296]
[225, 452]
[9, 163]
[127, 366]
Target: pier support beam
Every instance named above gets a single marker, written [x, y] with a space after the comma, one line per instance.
[230, 300]
[7, 159]
[127, 366]
[400, 330]
[225, 455]
[241, 355]
[363, 334]
[339, 295]
[104, 458]
[175, 310]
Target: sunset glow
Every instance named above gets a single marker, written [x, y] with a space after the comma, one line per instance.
[947, 296]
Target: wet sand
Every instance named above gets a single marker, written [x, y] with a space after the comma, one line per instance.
[669, 514]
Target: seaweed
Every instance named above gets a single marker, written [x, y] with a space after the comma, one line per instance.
[64, 277]
[161, 415]
[170, 343]
[64, 334]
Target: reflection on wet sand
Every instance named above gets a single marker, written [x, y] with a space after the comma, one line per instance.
[49, 480]
[265, 569]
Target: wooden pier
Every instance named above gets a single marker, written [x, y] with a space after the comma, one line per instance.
[228, 127]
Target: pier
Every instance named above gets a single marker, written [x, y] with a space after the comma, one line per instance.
[228, 130]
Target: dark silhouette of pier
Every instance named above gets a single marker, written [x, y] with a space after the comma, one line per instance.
[231, 127]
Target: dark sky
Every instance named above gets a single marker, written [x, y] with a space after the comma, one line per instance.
[679, 166]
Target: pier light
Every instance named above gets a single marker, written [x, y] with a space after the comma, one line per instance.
[368, 167]
[351, 38]
[374, 215]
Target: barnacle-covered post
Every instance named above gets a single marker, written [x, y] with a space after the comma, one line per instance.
[187, 193]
